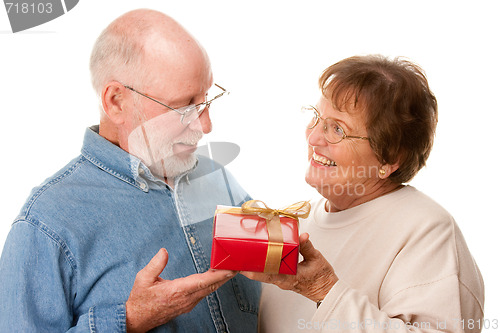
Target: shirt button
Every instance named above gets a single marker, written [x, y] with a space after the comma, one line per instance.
[193, 241]
[141, 171]
[143, 186]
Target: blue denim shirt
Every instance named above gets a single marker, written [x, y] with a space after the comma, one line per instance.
[72, 254]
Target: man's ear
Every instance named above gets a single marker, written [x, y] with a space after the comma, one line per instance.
[387, 169]
[113, 101]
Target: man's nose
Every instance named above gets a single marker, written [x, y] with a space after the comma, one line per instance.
[203, 123]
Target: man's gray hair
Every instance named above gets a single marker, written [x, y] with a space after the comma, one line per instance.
[118, 55]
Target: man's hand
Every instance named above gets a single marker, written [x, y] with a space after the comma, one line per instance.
[315, 276]
[154, 301]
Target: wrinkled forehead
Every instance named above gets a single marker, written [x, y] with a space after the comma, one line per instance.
[178, 64]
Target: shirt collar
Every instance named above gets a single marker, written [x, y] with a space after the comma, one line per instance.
[119, 163]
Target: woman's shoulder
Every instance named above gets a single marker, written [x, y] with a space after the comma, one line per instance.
[410, 203]
[418, 220]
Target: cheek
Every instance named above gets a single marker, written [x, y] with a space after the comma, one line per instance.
[360, 164]
[366, 156]
[166, 124]
[350, 154]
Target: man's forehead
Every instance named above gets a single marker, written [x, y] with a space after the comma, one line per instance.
[178, 90]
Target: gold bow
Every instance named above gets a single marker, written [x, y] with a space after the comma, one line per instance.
[275, 242]
[298, 210]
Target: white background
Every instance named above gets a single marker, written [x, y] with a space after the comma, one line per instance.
[269, 54]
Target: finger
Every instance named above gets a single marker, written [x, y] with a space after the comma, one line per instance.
[196, 282]
[284, 281]
[307, 249]
[227, 271]
[150, 273]
[212, 277]
[262, 277]
[200, 285]
[303, 238]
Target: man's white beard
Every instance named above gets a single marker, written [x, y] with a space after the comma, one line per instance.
[153, 143]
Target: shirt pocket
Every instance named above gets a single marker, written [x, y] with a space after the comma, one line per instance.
[247, 293]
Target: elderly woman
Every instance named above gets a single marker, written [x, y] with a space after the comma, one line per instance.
[386, 257]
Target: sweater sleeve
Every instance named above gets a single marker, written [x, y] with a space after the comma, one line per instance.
[431, 285]
[431, 307]
[37, 286]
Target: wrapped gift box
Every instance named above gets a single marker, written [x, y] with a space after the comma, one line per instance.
[241, 242]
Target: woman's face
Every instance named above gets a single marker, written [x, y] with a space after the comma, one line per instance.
[346, 171]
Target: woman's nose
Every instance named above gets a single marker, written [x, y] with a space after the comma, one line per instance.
[315, 136]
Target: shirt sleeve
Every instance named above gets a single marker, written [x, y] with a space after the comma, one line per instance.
[37, 286]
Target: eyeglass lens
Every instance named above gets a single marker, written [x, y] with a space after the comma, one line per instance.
[332, 131]
[193, 112]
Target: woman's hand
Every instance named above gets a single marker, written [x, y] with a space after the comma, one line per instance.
[315, 276]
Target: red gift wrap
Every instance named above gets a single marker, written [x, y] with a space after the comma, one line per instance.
[257, 239]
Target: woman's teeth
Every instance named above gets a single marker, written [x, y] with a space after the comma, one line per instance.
[323, 160]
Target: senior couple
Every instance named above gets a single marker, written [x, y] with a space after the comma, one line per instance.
[89, 249]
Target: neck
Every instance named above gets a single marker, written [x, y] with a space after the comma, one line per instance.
[170, 182]
[339, 203]
[108, 131]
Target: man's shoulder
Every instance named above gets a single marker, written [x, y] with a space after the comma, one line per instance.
[61, 188]
[58, 177]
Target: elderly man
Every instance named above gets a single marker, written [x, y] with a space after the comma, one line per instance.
[76, 258]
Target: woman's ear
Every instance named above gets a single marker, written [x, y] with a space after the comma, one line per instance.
[112, 101]
[386, 170]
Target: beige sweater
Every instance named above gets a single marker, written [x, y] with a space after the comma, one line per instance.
[403, 265]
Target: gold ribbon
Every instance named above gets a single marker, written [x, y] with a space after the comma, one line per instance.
[295, 211]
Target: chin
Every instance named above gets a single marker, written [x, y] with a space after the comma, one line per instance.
[173, 166]
[314, 182]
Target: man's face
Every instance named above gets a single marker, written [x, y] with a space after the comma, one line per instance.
[156, 134]
[164, 145]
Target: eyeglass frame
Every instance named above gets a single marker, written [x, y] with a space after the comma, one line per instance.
[318, 117]
[183, 114]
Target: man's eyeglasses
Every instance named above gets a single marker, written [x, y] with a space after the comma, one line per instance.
[333, 132]
[190, 112]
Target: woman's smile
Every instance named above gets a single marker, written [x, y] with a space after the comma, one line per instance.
[323, 160]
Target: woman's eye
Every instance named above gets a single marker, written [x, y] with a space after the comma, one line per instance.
[339, 130]
[334, 129]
